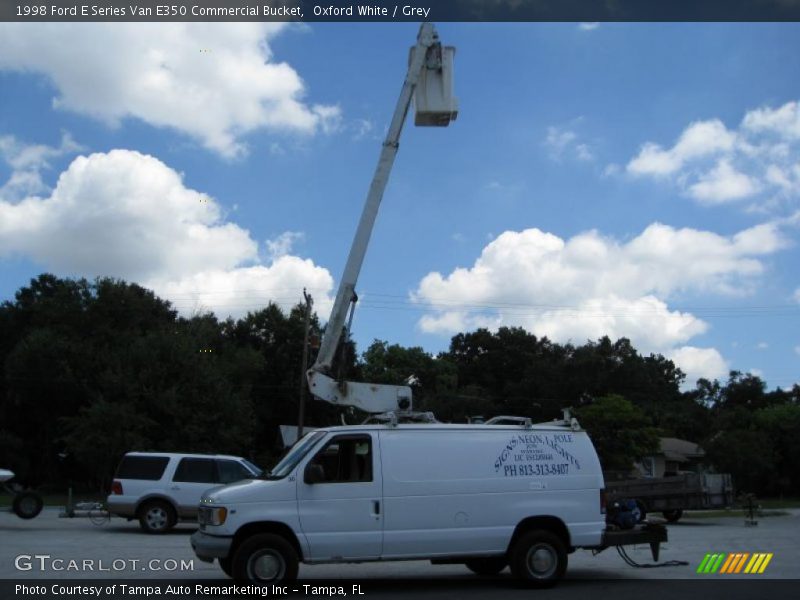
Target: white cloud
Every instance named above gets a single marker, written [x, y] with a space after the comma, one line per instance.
[283, 244]
[762, 346]
[128, 215]
[588, 26]
[699, 140]
[797, 295]
[589, 285]
[27, 161]
[699, 362]
[722, 184]
[713, 164]
[157, 73]
[564, 142]
[797, 350]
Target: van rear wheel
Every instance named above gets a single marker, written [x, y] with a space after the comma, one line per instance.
[538, 558]
[265, 558]
[487, 566]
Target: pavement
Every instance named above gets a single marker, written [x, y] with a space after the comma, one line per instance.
[49, 547]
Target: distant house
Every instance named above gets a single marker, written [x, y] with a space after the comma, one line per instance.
[673, 457]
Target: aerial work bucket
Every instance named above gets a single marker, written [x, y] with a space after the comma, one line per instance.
[434, 103]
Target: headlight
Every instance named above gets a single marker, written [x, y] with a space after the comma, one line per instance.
[212, 515]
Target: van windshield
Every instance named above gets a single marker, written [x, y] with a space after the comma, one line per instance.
[294, 455]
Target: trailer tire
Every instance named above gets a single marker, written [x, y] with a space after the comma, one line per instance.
[538, 558]
[27, 505]
[487, 566]
[642, 511]
[672, 516]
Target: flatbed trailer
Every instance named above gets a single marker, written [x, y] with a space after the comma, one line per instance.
[672, 495]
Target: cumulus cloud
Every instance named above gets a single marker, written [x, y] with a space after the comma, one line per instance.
[712, 164]
[700, 362]
[128, 215]
[157, 73]
[590, 285]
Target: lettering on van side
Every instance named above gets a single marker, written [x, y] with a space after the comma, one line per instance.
[521, 450]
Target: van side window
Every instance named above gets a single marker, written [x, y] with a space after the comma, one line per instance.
[346, 459]
[196, 470]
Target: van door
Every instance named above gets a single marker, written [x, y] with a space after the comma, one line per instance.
[341, 513]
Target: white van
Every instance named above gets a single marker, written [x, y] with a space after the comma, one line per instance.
[487, 496]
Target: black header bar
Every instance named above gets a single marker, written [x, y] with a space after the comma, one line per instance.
[399, 10]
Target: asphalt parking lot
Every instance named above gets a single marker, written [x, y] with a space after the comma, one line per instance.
[118, 549]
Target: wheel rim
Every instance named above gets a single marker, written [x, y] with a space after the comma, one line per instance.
[266, 565]
[27, 505]
[542, 561]
[156, 518]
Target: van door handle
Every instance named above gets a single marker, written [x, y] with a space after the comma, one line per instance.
[376, 508]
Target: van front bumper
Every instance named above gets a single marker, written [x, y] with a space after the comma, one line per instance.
[208, 547]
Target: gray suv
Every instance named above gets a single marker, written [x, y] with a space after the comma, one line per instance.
[159, 488]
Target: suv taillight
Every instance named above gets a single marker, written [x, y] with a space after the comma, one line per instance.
[602, 502]
[116, 488]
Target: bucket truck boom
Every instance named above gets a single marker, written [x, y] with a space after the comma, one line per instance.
[429, 83]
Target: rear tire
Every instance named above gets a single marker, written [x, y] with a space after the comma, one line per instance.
[27, 505]
[672, 516]
[265, 558]
[157, 516]
[538, 558]
[487, 566]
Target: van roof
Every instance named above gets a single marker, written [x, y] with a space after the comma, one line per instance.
[557, 426]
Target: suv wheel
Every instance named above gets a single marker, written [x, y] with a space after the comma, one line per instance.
[538, 558]
[157, 516]
[265, 558]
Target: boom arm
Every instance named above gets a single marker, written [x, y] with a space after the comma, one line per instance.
[371, 397]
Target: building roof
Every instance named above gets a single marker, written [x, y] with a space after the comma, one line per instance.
[680, 450]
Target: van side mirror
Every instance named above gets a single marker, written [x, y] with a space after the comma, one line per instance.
[314, 473]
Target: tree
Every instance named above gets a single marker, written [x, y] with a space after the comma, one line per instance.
[621, 432]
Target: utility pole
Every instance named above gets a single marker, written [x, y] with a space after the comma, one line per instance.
[303, 382]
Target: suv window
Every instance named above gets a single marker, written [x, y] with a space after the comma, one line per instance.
[142, 467]
[230, 471]
[196, 470]
[346, 459]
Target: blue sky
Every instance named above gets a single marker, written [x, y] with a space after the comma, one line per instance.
[638, 180]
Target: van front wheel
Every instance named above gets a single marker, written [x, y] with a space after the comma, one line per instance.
[265, 558]
[538, 558]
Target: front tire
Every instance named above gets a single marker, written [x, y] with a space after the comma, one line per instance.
[265, 558]
[226, 564]
[27, 505]
[538, 558]
[487, 566]
[157, 516]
